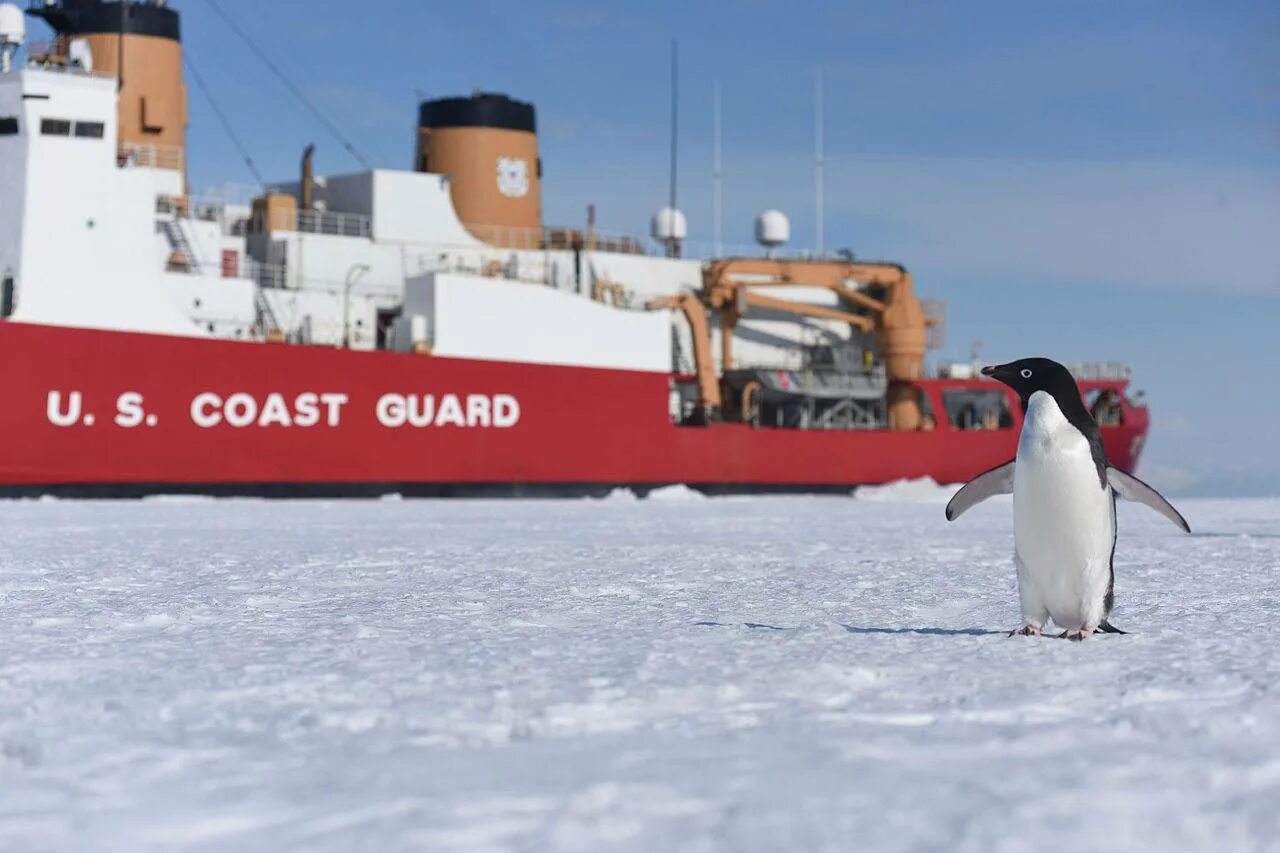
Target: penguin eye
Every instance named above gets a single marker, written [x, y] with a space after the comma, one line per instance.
[1026, 373]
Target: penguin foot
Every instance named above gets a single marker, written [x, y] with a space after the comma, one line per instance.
[1025, 631]
[1077, 635]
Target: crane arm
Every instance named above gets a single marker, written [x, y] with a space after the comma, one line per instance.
[759, 300]
[696, 315]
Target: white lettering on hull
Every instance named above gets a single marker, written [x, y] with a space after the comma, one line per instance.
[129, 411]
[473, 411]
[57, 417]
[242, 410]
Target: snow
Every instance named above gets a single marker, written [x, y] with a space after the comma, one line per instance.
[769, 674]
[920, 490]
[675, 494]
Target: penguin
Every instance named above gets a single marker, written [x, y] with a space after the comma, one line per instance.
[1064, 503]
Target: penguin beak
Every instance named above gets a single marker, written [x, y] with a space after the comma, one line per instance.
[1001, 373]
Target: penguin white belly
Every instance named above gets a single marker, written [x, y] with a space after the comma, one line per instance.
[1063, 524]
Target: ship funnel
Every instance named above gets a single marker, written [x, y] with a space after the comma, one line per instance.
[139, 43]
[488, 146]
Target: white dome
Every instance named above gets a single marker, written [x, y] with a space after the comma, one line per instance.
[669, 224]
[13, 25]
[80, 55]
[772, 228]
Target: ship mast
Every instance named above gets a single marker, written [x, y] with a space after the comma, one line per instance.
[717, 189]
[819, 224]
[673, 242]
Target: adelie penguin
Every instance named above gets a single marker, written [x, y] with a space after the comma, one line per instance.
[1064, 512]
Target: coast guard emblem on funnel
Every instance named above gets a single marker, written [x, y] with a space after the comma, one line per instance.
[513, 177]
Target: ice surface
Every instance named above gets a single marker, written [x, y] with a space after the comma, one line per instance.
[762, 674]
[920, 490]
[676, 493]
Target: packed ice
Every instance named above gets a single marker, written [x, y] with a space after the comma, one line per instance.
[780, 673]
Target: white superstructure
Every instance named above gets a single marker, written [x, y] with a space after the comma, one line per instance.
[95, 234]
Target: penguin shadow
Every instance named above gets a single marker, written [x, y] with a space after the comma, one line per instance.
[854, 629]
[928, 632]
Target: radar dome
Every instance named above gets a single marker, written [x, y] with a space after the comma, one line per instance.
[669, 224]
[13, 25]
[772, 229]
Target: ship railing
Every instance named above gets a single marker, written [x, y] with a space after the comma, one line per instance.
[1096, 371]
[315, 222]
[332, 222]
[487, 261]
[231, 194]
[232, 221]
[145, 155]
[705, 250]
[545, 239]
[560, 239]
[52, 55]
[1101, 370]
[278, 277]
[265, 275]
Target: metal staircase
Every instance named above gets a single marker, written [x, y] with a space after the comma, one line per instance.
[268, 325]
[182, 258]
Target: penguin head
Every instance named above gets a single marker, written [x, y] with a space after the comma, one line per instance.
[1029, 375]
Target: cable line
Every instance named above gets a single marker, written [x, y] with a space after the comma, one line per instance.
[222, 117]
[289, 84]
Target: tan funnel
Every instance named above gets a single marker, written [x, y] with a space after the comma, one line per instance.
[488, 146]
[153, 99]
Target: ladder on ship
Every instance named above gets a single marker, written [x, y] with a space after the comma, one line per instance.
[182, 258]
[267, 322]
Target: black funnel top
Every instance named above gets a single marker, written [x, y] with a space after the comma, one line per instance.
[86, 17]
[483, 109]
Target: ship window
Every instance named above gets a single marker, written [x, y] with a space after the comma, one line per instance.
[6, 295]
[971, 409]
[1106, 407]
[89, 129]
[8, 125]
[55, 127]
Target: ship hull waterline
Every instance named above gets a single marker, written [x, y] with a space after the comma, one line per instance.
[101, 412]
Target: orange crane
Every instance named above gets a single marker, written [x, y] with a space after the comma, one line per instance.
[889, 307]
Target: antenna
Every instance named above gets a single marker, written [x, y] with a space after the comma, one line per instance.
[717, 193]
[673, 247]
[819, 224]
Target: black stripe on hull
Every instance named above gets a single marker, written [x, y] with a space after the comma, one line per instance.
[373, 490]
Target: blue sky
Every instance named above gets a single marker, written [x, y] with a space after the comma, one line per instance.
[1093, 179]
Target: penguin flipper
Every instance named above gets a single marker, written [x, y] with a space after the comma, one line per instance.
[1130, 487]
[997, 481]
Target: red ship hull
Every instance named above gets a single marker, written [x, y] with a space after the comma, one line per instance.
[103, 409]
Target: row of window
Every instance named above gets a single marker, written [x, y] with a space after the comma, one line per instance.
[56, 127]
[62, 127]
